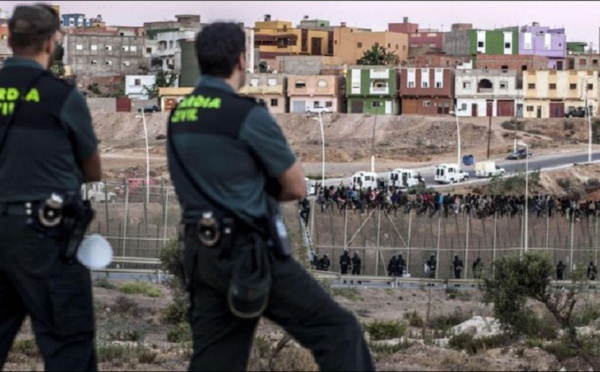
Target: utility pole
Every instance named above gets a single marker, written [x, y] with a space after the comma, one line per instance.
[489, 135]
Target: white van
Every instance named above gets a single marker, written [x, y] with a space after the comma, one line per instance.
[488, 169]
[364, 180]
[403, 178]
[449, 173]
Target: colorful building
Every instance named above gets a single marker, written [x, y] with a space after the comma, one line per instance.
[372, 90]
[545, 42]
[426, 91]
[271, 88]
[548, 94]
[350, 43]
[313, 91]
[494, 42]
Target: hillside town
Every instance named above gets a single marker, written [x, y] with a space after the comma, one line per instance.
[528, 71]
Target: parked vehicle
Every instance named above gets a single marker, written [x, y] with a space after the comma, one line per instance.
[519, 154]
[488, 169]
[316, 110]
[310, 186]
[449, 173]
[96, 192]
[404, 178]
[578, 112]
[364, 180]
[153, 108]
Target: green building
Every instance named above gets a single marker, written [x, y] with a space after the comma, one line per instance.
[372, 90]
[576, 47]
[494, 42]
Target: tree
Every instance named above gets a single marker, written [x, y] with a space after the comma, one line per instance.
[58, 68]
[379, 56]
[517, 280]
[163, 79]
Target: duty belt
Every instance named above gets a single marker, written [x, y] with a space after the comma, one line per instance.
[21, 209]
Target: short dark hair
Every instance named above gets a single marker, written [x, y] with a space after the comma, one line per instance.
[218, 48]
[31, 26]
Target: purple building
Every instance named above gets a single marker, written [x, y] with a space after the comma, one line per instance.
[545, 42]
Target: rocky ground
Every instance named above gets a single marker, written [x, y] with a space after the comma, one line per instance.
[133, 334]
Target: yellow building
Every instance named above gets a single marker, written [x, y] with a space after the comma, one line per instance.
[279, 38]
[551, 93]
[350, 43]
[170, 96]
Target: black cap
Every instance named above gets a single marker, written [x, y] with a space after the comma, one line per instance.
[38, 19]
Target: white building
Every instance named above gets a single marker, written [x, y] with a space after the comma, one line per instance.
[168, 49]
[250, 49]
[134, 86]
[484, 93]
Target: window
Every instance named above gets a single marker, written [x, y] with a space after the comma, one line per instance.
[411, 84]
[125, 63]
[426, 103]
[463, 106]
[359, 45]
[322, 83]
[272, 82]
[328, 104]
[274, 102]
[529, 108]
[424, 84]
[590, 87]
[94, 62]
[108, 63]
[389, 46]
[524, 68]
[531, 86]
[467, 85]
[503, 85]
[594, 62]
[582, 62]
[254, 82]
[403, 47]
[133, 48]
[572, 86]
[137, 82]
[438, 84]
[78, 47]
[552, 86]
[316, 104]
[108, 47]
[125, 48]
[93, 47]
[480, 44]
[504, 67]
[396, 46]
[507, 45]
[300, 84]
[148, 50]
[376, 104]
[170, 44]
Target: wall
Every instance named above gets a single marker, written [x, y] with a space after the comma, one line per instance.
[557, 47]
[494, 42]
[512, 62]
[304, 65]
[313, 92]
[138, 91]
[457, 43]
[428, 74]
[102, 104]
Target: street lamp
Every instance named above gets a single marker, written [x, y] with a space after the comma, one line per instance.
[147, 156]
[588, 114]
[320, 120]
[526, 238]
[455, 112]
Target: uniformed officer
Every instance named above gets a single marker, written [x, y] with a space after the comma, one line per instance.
[226, 151]
[47, 145]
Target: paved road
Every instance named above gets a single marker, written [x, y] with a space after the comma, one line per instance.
[542, 162]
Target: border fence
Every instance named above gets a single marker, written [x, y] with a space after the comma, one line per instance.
[378, 234]
[139, 221]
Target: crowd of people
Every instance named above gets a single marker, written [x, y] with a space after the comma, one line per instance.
[394, 200]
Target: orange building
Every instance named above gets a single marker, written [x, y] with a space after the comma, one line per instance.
[350, 43]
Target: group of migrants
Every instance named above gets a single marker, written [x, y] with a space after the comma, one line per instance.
[428, 203]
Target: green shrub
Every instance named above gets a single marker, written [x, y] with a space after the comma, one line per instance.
[119, 328]
[180, 333]
[26, 347]
[414, 319]
[586, 316]
[142, 288]
[385, 329]
[383, 350]
[444, 322]
[104, 283]
[124, 305]
[473, 345]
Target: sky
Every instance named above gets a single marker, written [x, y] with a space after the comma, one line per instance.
[428, 14]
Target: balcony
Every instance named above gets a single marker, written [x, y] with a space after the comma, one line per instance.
[380, 74]
[485, 90]
[379, 90]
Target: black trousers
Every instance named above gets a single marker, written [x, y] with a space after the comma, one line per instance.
[57, 297]
[297, 302]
